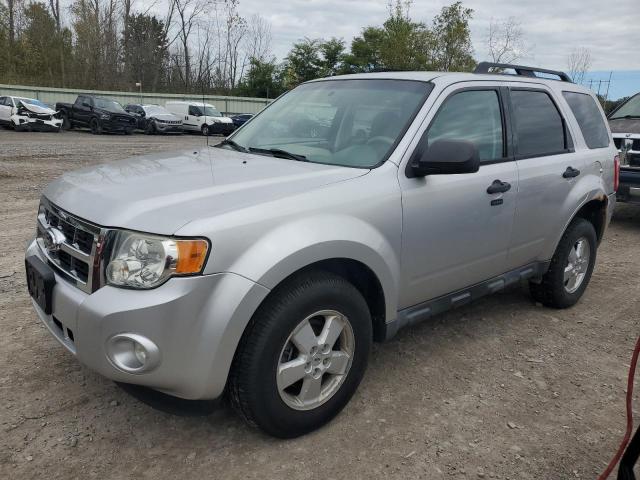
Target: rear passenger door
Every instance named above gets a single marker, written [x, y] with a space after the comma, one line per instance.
[456, 230]
[548, 170]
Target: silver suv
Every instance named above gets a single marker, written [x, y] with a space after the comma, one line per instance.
[262, 270]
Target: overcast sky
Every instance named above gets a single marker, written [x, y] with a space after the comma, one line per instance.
[610, 29]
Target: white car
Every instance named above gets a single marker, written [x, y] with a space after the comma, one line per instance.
[201, 117]
[28, 114]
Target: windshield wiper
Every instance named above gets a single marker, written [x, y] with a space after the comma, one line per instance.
[233, 145]
[278, 152]
[625, 116]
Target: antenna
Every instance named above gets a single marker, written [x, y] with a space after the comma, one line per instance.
[204, 109]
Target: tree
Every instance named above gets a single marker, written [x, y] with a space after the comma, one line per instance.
[333, 54]
[304, 62]
[263, 79]
[187, 12]
[451, 36]
[365, 51]
[505, 40]
[578, 63]
[145, 54]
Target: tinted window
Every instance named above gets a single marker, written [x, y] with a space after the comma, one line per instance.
[538, 124]
[589, 118]
[3, 101]
[472, 115]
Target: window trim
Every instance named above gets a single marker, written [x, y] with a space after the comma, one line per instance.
[580, 126]
[568, 139]
[507, 144]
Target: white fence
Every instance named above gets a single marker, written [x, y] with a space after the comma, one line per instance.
[227, 105]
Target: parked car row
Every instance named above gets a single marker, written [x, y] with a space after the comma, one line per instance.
[102, 115]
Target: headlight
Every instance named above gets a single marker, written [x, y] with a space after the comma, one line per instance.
[146, 261]
[105, 116]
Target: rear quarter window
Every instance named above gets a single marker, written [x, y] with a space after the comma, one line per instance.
[589, 119]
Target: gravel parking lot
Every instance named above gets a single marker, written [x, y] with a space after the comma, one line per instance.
[498, 389]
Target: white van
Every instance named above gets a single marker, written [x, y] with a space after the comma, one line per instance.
[201, 117]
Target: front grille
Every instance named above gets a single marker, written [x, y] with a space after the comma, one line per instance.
[618, 143]
[636, 145]
[69, 244]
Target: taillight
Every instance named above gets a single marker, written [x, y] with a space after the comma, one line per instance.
[616, 173]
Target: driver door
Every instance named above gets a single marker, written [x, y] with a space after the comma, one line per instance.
[455, 232]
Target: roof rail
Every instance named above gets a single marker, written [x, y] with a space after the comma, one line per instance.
[484, 67]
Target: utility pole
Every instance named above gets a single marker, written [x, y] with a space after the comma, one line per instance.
[139, 85]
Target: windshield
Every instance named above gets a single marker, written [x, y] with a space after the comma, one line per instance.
[155, 110]
[200, 111]
[631, 108]
[107, 105]
[352, 123]
[33, 101]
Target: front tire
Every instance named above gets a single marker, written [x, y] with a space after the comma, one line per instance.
[66, 123]
[96, 129]
[205, 130]
[302, 356]
[571, 267]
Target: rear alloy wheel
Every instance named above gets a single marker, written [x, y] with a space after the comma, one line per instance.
[302, 355]
[205, 130]
[570, 269]
[96, 129]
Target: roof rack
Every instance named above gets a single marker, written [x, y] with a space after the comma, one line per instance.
[484, 67]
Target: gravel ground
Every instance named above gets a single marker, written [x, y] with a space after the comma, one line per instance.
[498, 389]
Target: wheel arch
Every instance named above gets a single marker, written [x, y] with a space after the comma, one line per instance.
[593, 209]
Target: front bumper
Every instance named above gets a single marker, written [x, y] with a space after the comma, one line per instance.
[117, 126]
[160, 128]
[22, 123]
[196, 323]
[629, 189]
[221, 128]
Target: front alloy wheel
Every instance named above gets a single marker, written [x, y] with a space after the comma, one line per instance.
[205, 130]
[302, 356]
[315, 360]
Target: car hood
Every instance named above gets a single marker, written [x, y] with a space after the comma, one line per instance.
[165, 116]
[625, 125]
[162, 192]
[38, 109]
[218, 119]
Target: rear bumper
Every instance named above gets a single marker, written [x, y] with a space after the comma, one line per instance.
[629, 189]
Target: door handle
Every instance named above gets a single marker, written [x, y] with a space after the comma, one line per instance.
[498, 186]
[571, 172]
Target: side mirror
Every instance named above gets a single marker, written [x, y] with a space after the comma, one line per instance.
[445, 157]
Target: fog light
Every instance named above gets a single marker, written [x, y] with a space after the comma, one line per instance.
[133, 353]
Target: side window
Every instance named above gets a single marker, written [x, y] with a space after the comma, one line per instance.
[589, 118]
[195, 111]
[472, 115]
[539, 127]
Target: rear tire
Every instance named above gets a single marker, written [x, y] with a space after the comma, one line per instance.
[571, 267]
[332, 356]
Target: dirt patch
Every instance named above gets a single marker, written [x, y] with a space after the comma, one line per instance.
[497, 389]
